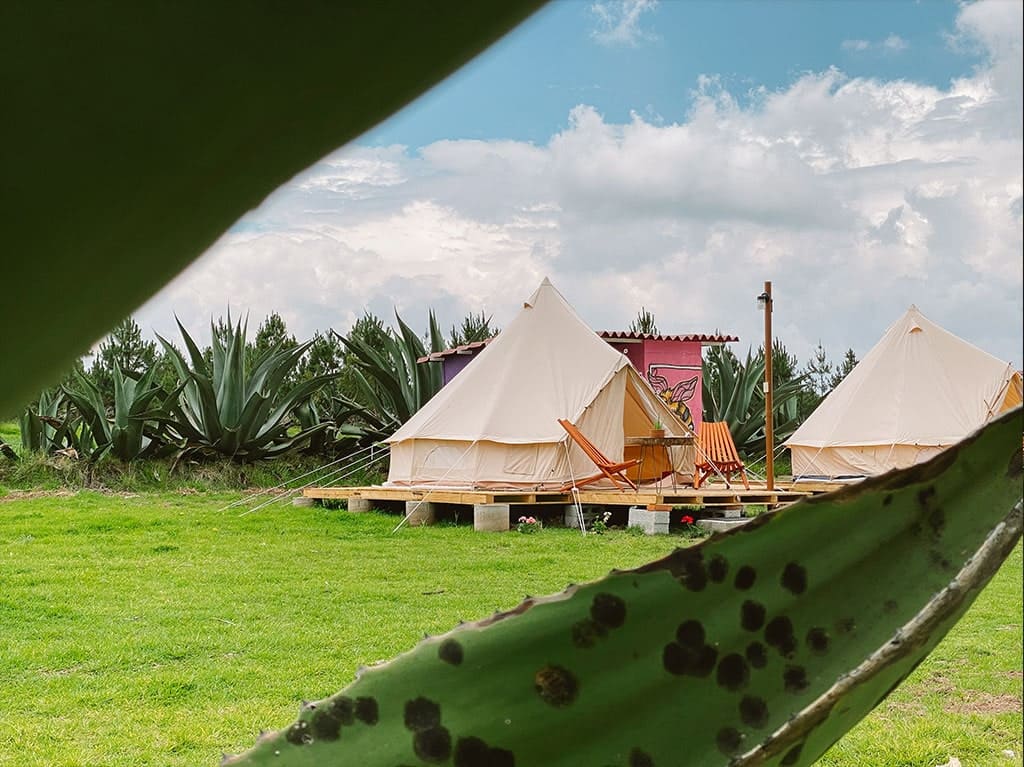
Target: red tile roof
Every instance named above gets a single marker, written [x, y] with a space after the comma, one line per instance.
[463, 349]
[608, 335]
[704, 338]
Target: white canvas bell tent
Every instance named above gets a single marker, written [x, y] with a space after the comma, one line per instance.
[496, 424]
[920, 390]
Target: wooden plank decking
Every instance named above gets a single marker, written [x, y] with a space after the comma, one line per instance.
[681, 496]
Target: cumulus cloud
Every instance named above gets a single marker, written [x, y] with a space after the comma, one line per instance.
[618, 21]
[857, 197]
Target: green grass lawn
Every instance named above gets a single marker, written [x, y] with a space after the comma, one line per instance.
[10, 433]
[156, 630]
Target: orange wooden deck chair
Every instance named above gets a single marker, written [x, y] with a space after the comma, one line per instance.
[609, 469]
[716, 454]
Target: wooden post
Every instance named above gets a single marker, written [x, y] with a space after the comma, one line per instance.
[769, 424]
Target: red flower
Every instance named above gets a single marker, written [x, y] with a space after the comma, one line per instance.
[687, 520]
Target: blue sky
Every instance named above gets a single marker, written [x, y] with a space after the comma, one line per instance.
[524, 87]
[671, 155]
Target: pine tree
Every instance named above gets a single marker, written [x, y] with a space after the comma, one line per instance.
[644, 323]
[848, 364]
[326, 356]
[125, 347]
[818, 381]
[475, 327]
[785, 366]
[272, 332]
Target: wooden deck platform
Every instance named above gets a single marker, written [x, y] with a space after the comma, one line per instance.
[708, 496]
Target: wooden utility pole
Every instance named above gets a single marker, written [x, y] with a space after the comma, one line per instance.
[769, 425]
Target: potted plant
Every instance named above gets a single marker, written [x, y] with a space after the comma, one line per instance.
[658, 429]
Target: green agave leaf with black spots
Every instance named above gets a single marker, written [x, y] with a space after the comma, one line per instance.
[163, 123]
[759, 647]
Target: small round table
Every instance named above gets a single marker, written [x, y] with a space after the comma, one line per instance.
[659, 443]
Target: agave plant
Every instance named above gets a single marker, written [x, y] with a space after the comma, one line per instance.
[46, 425]
[338, 437]
[136, 428]
[733, 393]
[391, 385]
[225, 407]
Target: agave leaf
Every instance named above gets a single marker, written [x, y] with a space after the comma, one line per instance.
[281, 365]
[271, 368]
[89, 403]
[102, 92]
[761, 646]
[289, 401]
[291, 443]
[226, 379]
[194, 352]
[384, 373]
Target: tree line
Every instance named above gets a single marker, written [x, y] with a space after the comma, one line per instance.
[250, 399]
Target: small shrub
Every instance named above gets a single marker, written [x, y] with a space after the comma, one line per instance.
[690, 527]
[529, 525]
[636, 531]
[600, 525]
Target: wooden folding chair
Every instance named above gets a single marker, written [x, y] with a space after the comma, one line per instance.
[716, 454]
[609, 469]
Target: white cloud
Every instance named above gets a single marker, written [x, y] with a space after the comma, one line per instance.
[895, 43]
[890, 44]
[855, 45]
[618, 21]
[857, 197]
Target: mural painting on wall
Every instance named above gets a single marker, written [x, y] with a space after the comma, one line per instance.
[676, 384]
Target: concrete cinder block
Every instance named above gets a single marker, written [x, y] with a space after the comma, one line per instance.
[491, 517]
[721, 525]
[420, 513]
[360, 504]
[572, 518]
[652, 522]
[303, 501]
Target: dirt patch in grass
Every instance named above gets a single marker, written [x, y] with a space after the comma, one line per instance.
[28, 495]
[978, 702]
[939, 683]
[903, 707]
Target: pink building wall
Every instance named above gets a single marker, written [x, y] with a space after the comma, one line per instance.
[673, 369]
[671, 365]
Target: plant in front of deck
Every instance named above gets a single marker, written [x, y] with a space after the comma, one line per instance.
[690, 527]
[745, 626]
[227, 408]
[529, 525]
[600, 525]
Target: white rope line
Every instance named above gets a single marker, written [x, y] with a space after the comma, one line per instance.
[575, 490]
[251, 496]
[778, 449]
[440, 482]
[362, 465]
